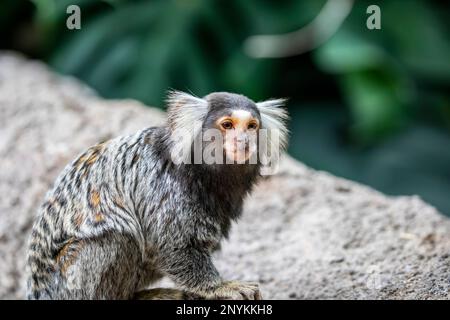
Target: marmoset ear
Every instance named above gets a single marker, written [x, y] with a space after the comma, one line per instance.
[186, 114]
[183, 110]
[274, 117]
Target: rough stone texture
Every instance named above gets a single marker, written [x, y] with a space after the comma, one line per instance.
[304, 234]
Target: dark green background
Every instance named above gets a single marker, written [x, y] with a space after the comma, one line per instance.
[369, 105]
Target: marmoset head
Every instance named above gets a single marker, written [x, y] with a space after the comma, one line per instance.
[237, 124]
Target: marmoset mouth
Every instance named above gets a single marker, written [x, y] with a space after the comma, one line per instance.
[240, 155]
[240, 148]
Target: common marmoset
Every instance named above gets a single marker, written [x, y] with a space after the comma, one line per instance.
[124, 213]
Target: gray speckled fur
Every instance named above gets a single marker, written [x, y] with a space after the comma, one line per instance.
[122, 215]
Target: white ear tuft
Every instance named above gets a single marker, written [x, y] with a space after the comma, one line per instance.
[185, 118]
[184, 109]
[274, 117]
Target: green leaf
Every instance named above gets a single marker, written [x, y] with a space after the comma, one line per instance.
[375, 103]
[347, 52]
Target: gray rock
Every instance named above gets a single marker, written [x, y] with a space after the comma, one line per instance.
[304, 234]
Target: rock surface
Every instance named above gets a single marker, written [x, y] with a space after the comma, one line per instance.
[304, 234]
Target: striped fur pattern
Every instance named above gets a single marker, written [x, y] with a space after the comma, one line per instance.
[122, 215]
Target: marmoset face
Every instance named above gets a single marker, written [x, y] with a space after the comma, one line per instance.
[243, 131]
[238, 119]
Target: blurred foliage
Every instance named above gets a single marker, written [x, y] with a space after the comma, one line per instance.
[382, 87]
[140, 48]
[380, 72]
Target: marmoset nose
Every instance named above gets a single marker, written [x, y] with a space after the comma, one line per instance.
[241, 138]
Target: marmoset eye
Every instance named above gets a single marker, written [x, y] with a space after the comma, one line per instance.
[227, 125]
[252, 126]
